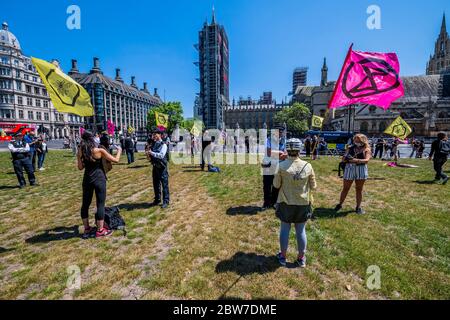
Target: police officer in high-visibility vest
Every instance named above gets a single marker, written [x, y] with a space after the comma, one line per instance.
[20, 152]
[157, 154]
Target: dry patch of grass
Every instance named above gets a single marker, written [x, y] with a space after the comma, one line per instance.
[213, 243]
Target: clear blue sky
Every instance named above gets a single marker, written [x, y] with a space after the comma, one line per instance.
[153, 40]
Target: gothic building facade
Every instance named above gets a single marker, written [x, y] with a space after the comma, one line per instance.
[440, 60]
[425, 105]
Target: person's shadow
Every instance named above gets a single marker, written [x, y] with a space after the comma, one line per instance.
[56, 234]
[243, 210]
[327, 213]
[134, 206]
[244, 264]
[426, 182]
[8, 187]
[3, 250]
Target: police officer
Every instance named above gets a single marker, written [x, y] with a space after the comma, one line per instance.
[20, 152]
[158, 157]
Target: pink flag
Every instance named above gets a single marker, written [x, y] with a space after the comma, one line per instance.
[82, 130]
[111, 128]
[368, 78]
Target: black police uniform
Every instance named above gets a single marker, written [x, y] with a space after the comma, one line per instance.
[22, 160]
[160, 174]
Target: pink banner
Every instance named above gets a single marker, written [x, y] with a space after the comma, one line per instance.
[111, 128]
[368, 78]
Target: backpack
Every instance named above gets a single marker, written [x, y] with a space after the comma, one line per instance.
[445, 148]
[114, 220]
[213, 169]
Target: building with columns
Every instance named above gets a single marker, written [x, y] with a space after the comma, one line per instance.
[23, 97]
[125, 105]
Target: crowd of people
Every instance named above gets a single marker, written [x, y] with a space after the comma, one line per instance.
[288, 181]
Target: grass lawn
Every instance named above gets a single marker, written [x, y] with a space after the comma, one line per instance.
[213, 243]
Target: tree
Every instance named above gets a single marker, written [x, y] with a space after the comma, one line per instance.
[188, 124]
[173, 109]
[296, 117]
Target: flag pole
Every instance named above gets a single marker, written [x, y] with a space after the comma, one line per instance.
[340, 75]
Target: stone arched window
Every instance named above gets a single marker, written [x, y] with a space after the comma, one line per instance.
[364, 128]
[382, 126]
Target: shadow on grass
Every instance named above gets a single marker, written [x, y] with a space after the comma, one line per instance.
[426, 182]
[327, 213]
[191, 170]
[56, 234]
[135, 206]
[8, 187]
[3, 250]
[244, 210]
[139, 167]
[244, 264]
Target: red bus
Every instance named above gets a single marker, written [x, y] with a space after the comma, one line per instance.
[9, 130]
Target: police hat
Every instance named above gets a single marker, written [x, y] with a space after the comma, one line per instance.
[157, 131]
[293, 145]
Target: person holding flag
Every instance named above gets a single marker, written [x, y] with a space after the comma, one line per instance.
[90, 159]
[356, 161]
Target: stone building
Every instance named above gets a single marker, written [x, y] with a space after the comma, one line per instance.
[124, 105]
[425, 105]
[440, 60]
[23, 97]
[252, 114]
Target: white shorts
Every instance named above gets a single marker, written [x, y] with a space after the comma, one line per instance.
[356, 172]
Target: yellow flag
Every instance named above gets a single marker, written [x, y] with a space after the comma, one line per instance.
[162, 120]
[317, 122]
[399, 128]
[66, 94]
[197, 128]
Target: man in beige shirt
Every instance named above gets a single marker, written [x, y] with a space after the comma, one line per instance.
[296, 180]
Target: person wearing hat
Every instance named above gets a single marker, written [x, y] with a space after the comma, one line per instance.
[21, 158]
[295, 180]
[157, 154]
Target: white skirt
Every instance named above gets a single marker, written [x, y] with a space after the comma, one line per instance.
[356, 172]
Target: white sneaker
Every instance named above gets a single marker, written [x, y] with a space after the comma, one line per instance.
[41, 169]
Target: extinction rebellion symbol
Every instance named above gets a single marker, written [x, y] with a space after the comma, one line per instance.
[368, 86]
[399, 130]
[317, 122]
[162, 119]
[67, 92]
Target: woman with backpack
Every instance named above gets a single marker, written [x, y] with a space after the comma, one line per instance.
[295, 180]
[356, 158]
[93, 159]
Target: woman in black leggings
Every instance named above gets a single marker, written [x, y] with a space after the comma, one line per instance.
[90, 159]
